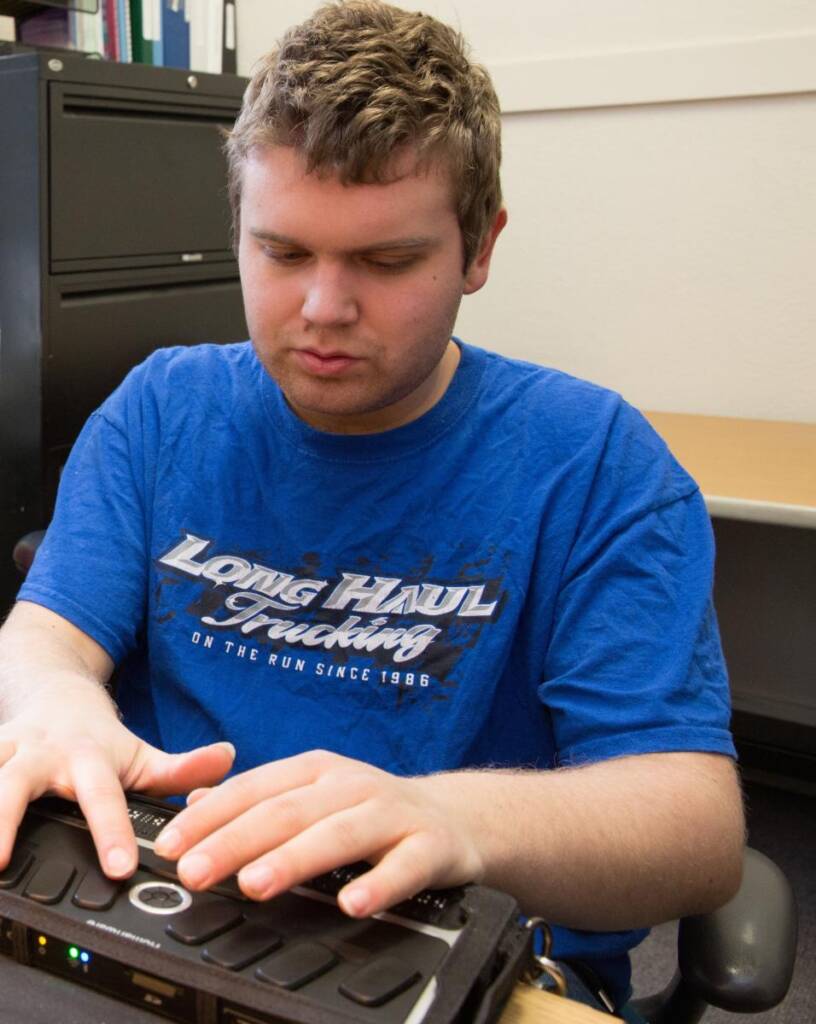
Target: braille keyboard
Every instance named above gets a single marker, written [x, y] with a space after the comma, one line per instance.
[442, 957]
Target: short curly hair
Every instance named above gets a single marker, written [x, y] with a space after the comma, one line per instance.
[360, 80]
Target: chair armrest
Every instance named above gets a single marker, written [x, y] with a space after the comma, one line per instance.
[26, 548]
[741, 957]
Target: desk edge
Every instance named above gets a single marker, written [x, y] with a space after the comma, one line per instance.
[775, 512]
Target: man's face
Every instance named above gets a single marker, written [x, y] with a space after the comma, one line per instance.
[351, 292]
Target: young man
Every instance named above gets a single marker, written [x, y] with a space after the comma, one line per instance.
[401, 577]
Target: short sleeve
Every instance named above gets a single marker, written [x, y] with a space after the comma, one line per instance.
[92, 566]
[635, 664]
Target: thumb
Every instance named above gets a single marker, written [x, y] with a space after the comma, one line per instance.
[163, 774]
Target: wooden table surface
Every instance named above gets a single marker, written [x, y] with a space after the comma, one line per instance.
[763, 470]
[529, 1005]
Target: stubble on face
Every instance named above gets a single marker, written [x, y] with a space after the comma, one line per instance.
[371, 397]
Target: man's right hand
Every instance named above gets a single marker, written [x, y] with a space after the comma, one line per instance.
[61, 735]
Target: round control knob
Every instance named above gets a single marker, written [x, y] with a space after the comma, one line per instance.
[160, 898]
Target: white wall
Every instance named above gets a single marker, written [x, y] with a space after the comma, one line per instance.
[659, 170]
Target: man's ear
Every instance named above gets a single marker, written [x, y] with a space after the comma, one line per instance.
[476, 273]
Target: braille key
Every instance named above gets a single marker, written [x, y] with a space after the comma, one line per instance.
[241, 947]
[14, 871]
[49, 881]
[96, 891]
[204, 921]
[296, 965]
[379, 980]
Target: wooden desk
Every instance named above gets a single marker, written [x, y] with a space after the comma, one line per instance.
[763, 473]
[759, 470]
[531, 1006]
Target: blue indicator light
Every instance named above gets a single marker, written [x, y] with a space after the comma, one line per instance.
[85, 957]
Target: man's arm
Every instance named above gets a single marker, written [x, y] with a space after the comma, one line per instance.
[613, 845]
[61, 734]
[620, 844]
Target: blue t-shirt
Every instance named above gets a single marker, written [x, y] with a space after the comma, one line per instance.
[520, 577]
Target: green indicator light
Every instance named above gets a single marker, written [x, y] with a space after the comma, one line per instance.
[73, 952]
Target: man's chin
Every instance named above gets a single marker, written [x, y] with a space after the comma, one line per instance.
[323, 401]
[335, 412]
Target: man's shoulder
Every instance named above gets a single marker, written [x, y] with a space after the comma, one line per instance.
[177, 363]
[554, 417]
[532, 391]
[184, 375]
[178, 386]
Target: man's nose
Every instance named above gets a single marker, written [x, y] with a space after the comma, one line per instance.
[329, 298]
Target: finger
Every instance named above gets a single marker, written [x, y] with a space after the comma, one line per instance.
[261, 828]
[408, 868]
[226, 802]
[197, 794]
[163, 774]
[19, 784]
[355, 833]
[100, 795]
[8, 748]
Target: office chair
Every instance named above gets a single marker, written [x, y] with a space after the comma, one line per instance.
[26, 548]
[738, 958]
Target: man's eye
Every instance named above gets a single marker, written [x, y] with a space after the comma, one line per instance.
[393, 266]
[285, 257]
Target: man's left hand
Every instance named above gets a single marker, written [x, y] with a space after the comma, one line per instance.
[283, 823]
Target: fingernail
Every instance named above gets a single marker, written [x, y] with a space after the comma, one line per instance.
[258, 879]
[169, 843]
[228, 747]
[354, 902]
[119, 861]
[195, 869]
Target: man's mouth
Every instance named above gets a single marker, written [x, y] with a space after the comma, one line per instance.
[324, 364]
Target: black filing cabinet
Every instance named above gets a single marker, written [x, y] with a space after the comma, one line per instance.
[114, 240]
